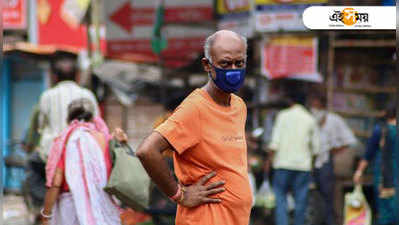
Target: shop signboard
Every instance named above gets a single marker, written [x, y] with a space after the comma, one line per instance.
[269, 2]
[184, 43]
[226, 7]
[54, 29]
[281, 15]
[241, 26]
[235, 15]
[14, 14]
[290, 57]
[129, 26]
[59, 24]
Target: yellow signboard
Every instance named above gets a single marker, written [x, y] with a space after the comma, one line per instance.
[270, 2]
[290, 41]
[236, 6]
[232, 6]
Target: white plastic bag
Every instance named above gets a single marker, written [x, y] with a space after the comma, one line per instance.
[265, 196]
[290, 202]
[357, 210]
[252, 183]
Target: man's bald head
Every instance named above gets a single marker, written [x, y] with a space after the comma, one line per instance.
[223, 39]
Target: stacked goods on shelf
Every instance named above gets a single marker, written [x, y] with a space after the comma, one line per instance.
[350, 102]
[363, 86]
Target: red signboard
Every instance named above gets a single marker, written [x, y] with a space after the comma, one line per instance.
[129, 26]
[14, 14]
[128, 15]
[53, 30]
[293, 57]
[180, 51]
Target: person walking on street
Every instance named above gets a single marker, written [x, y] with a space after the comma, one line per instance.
[335, 137]
[77, 170]
[207, 135]
[383, 148]
[51, 120]
[293, 146]
[53, 102]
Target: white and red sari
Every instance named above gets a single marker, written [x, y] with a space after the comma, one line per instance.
[85, 171]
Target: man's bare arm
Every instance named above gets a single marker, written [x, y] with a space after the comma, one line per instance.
[269, 160]
[150, 155]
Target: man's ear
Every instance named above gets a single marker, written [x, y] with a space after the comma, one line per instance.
[206, 65]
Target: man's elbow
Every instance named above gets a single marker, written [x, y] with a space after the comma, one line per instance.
[149, 149]
[143, 153]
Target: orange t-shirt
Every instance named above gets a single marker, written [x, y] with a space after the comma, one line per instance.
[208, 137]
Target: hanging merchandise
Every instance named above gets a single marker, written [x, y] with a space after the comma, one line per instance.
[290, 57]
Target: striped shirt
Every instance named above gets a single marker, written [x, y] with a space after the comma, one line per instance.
[334, 133]
[54, 111]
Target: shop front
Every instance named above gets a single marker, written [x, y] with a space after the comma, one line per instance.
[22, 83]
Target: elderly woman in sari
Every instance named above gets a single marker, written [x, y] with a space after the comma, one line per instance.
[77, 170]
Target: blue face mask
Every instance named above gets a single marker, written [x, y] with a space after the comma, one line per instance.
[228, 80]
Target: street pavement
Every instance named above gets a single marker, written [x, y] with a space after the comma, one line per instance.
[15, 211]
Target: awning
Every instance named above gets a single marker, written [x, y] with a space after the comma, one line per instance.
[135, 58]
[127, 80]
[37, 49]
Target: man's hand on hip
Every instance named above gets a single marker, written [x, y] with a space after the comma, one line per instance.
[198, 193]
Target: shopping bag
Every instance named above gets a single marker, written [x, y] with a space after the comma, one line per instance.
[265, 196]
[128, 181]
[356, 210]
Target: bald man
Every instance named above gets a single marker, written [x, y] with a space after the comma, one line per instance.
[207, 134]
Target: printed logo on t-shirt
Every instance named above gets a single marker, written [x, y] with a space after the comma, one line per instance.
[232, 138]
